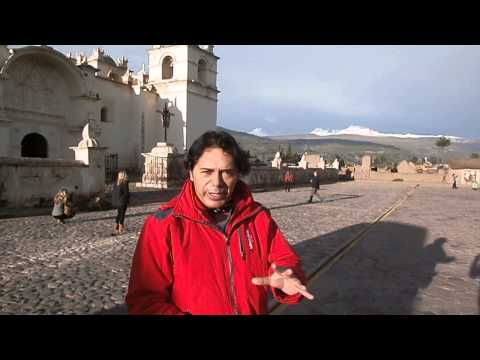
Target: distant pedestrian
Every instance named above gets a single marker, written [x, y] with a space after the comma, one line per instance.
[315, 180]
[120, 200]
[62, 207]
[288, 180]
[454, 185]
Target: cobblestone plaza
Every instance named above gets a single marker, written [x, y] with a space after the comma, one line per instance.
[417, 260]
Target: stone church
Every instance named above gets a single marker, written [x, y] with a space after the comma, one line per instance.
[47, 97]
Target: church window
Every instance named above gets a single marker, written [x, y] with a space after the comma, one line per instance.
[34, 145]
[167, 68]
[202, 71]
[104, 114]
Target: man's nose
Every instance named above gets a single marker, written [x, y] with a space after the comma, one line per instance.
[218, 179]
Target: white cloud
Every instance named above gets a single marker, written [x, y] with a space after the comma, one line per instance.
[360, 130]
[258, 132]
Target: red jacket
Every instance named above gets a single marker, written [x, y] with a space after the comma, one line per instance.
[184, 263]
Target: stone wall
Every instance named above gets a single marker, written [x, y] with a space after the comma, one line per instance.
[465, 177]
[32, 182]
[265, 176]
[419, 178]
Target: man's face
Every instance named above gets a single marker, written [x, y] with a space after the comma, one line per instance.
[214, 177]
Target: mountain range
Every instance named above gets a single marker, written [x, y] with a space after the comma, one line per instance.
[350, 147]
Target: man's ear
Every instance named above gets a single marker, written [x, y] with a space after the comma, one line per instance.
[191, 174]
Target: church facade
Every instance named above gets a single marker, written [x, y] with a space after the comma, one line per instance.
[47, 97]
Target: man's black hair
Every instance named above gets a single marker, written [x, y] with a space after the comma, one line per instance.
[222, 140]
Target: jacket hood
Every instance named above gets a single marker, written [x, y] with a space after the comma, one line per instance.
[187, 204]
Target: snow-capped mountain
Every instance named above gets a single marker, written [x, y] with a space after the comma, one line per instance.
[363, 131]
[258, 132]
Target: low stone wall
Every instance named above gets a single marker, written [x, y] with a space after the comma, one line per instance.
[463, 176]
[418, 178]
[32, 182]
[266, 177]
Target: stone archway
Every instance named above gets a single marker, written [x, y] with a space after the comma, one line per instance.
[34, 145]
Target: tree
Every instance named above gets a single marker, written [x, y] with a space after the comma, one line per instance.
[380, 161]
[290, 156]
[475, 156]
[443, 142]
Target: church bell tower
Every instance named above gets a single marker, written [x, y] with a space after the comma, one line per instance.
[185, 77]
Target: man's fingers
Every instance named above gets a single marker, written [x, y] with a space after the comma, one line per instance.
[306, 294]
[302, 289]
[261, 281]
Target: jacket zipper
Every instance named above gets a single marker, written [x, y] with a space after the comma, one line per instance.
[240, 242]
[229, 255]
[250, 240]
[232, 279]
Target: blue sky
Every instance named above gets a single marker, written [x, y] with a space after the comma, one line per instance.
[295, 89]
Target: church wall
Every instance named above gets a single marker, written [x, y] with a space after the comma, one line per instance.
[118, 133]
[38, 97]
[176, 134]
[202, 116]
[147, 103]
[4, 138]
[175, 93]
[153, 121]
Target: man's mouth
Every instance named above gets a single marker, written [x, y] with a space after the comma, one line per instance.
[217, 195]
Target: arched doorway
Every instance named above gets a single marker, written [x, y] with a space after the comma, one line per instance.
[34, 145]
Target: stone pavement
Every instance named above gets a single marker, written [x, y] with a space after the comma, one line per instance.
[79, 268]
[418, 260]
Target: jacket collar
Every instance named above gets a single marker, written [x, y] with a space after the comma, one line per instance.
[186, 204]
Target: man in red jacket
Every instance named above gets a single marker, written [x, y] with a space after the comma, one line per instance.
[212, 249]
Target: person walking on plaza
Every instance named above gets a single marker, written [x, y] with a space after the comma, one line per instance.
[62, 207]
[212, 249]
[120, 200]
[288, 180]
[454, 185]
[315, 180]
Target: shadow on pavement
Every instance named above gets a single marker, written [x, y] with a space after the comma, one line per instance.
[475, 274]
[113, 217]
[325, 200]
[381, 274]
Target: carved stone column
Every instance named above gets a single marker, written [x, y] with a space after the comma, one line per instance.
[92, 155]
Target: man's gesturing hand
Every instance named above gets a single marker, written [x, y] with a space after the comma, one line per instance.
[284, 281]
